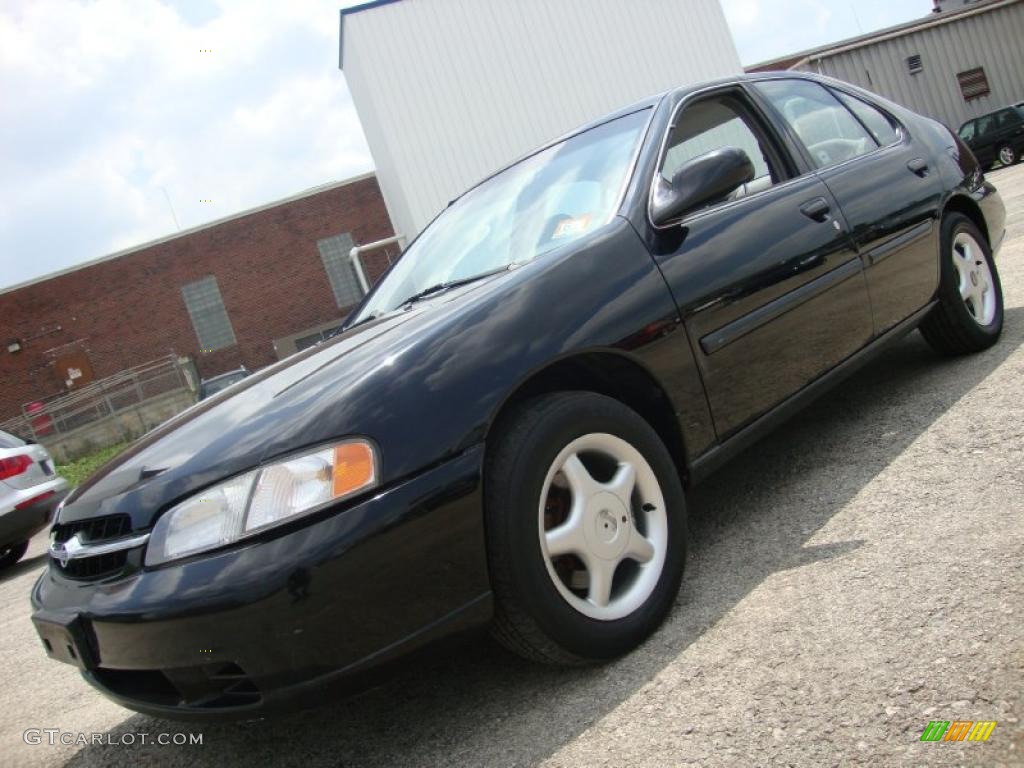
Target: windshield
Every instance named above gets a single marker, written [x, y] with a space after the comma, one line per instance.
[545, 201]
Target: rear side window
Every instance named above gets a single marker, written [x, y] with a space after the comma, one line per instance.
[1008, 118]
[826, 128]
[967, 131]
[880, 127]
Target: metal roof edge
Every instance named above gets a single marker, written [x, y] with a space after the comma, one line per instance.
[886, 33]
[191, 230]
[348, 12]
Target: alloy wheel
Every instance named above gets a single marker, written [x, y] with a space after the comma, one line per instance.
[603, 526]
[1006, 156]
[975, 279]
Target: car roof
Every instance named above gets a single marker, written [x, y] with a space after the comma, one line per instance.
[995, 111]
[647, 103]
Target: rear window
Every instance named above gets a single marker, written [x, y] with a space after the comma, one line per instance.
[10, 441]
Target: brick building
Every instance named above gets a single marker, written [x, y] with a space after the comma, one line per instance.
[244, 290]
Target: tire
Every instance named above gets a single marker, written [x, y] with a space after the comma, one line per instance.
[540, 604]
[12, 553]
[1007, 155]
[962, 324]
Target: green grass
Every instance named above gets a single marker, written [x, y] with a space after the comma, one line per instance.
[79, 469]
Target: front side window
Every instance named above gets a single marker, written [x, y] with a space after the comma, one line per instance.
[967, 131]
[986, 124]
[826, 128]
[712, 124]
[547, 200]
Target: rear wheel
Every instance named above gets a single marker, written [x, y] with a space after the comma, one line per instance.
[1008, 155]
[12, 553]
[586, 529]
[969, 315]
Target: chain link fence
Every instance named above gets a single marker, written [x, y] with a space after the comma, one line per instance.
[51, 419]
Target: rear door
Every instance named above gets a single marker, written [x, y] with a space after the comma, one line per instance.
[768, 285]
[885, 185]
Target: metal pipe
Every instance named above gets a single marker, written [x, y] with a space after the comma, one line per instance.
[357, 263]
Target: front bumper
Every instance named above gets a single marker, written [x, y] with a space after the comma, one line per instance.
[265, 626]
[20, 524]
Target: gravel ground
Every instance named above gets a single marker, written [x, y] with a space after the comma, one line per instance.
[852, 577]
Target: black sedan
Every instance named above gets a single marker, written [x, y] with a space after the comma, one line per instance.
[503, 432]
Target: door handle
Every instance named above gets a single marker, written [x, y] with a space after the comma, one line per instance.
[919, 166]
[817, 209]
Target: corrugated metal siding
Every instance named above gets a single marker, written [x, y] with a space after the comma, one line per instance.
[993, 40]
[450, 90]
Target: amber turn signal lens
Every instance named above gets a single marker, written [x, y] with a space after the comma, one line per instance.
[353, 468]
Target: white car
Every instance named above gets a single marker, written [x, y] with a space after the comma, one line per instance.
[30, 490]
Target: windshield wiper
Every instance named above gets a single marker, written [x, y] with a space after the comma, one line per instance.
[449, 284]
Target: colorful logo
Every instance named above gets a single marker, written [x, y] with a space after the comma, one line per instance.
[958, 730]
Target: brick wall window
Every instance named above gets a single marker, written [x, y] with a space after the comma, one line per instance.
[209, 317]
[344, 283]
[973, 83]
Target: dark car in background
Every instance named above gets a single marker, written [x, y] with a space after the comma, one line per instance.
[996, 137]
[219, 383]
[504, 430]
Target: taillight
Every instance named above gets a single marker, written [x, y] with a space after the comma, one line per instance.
[14, 465]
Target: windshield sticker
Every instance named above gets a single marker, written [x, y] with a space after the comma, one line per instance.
[572, 227]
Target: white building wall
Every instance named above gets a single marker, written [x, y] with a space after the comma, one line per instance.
[450, 90]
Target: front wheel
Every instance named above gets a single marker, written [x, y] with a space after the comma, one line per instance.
[969, 315]
[586, 529]
[1008, 156]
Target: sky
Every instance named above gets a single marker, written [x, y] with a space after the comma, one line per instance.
[122, 121]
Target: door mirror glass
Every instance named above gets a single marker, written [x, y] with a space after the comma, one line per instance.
[702, 181]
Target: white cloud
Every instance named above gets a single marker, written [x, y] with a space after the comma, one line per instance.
[108, 103]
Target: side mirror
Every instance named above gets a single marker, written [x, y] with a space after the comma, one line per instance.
[707, 179]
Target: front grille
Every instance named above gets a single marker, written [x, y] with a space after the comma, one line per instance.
[94, 531]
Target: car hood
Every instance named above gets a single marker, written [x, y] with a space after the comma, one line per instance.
[295, 403]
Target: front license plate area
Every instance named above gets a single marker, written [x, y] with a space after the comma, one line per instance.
[64, 638]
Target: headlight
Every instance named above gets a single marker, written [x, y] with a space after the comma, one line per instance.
[263, 498]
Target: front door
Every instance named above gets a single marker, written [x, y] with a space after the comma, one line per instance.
[769, 288]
